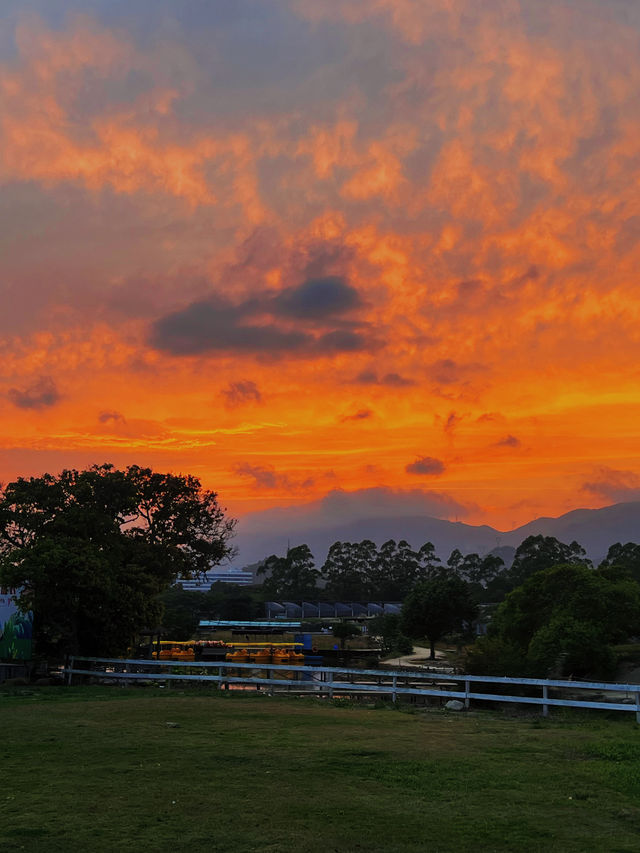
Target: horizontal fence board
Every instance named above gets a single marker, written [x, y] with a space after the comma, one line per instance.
[400, 673]
[321, 680]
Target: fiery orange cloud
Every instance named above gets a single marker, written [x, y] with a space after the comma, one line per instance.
[293, 281]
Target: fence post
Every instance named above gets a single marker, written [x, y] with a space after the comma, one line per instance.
[545, 695]
[466, 694]
[69, 668]
[637, 706]
[394, 695]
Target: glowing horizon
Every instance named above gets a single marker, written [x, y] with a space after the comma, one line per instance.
[292, 247]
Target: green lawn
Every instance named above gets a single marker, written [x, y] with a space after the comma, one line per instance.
[108, 769]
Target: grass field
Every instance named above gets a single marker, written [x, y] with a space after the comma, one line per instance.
[110, 769]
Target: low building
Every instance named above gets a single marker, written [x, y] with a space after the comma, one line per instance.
[204, 583]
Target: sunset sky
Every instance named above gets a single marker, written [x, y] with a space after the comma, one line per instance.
[300, 246]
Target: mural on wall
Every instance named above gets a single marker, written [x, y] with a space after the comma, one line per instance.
[15, 628]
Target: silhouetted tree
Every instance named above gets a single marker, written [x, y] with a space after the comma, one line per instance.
[91, 550]
[293, 576]
[347, 570]
[437, 607]
[536, 553]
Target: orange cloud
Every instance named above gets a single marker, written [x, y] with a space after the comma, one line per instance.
[464, 179]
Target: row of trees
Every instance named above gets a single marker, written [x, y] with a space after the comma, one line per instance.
[360, 571]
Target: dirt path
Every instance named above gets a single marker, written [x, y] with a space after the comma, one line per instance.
[418, 657]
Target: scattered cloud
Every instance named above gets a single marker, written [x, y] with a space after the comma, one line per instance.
[266, 477]
[490, 417]
[614, 486]
[508, 441]
[391, 380]
[116, 417]
[41, 394]
[451, 422]
[426, 466]
[445, 371]
[360, 415]
[240, 393]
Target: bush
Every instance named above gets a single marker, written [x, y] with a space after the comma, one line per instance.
[403, 645]
[568, 647]
[494, 656]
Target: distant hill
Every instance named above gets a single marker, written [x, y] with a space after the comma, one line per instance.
[595, 529]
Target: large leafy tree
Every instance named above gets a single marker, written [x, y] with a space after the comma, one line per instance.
[437, 607]
[91, 550]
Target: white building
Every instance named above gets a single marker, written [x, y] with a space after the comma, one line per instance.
[204, 583]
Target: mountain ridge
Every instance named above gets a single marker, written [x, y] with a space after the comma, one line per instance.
[594, 529]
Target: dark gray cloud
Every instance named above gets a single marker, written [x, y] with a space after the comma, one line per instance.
[360, 415]
[446, 371]
[221, 326]
[614, 485]
[108, 417]
[451, 422]
[509, 441]
[262, 324]
[391, 380]
[239, 393]
[318, 297]
[41, 394]
[490, 417]
[342, 340]
[425, 466]
[266, 477]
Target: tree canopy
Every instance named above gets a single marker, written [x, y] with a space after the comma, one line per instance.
[91, 550]
[541, 552]
[623, 557]
[437, 607]
[563, 619]
[292, 576]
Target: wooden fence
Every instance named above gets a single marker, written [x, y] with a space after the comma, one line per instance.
[343, 681]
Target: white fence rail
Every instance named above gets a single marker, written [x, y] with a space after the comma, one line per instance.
[383, 682]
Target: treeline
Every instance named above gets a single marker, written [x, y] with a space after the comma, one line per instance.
[360, 571]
